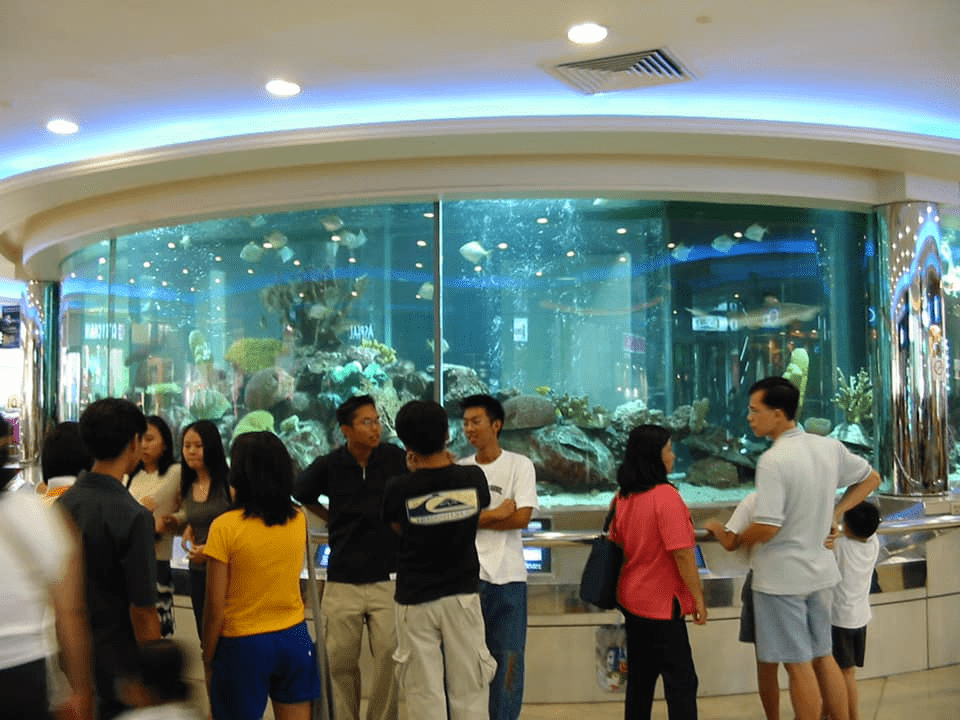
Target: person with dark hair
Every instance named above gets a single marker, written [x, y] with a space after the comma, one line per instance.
[659, 583]
[363, 557]
[205, 494]
[441, 649]
[158, 690]
[255, 639]
[63, 457]
[155, 484]
[793, 572]
[37, 576]
[856, 550]
[503, 572]
[119, 558]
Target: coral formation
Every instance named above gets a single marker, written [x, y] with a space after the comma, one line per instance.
[529, 411]
[254, 354]
[255, 421]
[576, 410]
[318, 307]
[208, 404]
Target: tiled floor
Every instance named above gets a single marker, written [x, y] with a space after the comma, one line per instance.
[928, 695]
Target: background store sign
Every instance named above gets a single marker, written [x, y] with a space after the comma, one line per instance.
[104, 331]
[713, 323]
[10, 327]
[520, 326]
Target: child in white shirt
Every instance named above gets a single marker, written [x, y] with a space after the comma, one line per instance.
[856, 550]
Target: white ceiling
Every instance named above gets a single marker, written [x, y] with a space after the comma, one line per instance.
[877, 78]
[140, 74]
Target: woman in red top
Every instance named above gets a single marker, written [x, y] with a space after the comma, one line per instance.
[659, 582]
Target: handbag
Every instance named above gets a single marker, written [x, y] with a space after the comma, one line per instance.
[598, 584]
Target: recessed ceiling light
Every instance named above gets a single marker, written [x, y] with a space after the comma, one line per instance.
[621, 231]
[62, 126]
[586, 33]
[172, 245]
[478, 268]
[282, 88]
[502, 246]
[542, 221]
[428, 214]
[421, 243]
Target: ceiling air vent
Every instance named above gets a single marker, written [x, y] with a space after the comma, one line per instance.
[622, 72]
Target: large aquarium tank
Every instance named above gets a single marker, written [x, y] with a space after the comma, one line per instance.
[585, 316]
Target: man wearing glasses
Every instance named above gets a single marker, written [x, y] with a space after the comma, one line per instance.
[361, 572]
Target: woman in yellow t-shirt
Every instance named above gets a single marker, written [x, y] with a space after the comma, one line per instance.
[255, 641]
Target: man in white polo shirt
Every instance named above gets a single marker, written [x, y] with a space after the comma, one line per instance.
[503, 571]
[793, 572]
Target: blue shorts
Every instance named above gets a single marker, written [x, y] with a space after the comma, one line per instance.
[793, 628]
[246, 670]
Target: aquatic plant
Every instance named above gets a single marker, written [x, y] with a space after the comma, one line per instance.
[254, 354]
[854, 396]
[164, 388]
[384, 353]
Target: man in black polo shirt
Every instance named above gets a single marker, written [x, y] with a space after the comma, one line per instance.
[120, 563]
[363, 558]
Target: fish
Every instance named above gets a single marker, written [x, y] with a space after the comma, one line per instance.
[426, 291]
[320, 312]
[474, 252]
[351, 240]
[331, 223]
[681, 252]
[257, 221]
[771, 315]
[755, 232]
[723, 243]
[251, 252]
[185, 241]
[444, 345]
[285, 254]
[276, 239]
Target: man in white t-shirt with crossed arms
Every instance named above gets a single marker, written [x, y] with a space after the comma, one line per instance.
[793, 572]
[503, 572]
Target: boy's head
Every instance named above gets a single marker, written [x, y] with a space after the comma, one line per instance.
[108, 427]
[862, 520]
[160, 678]
[64, 452]
[422, 427]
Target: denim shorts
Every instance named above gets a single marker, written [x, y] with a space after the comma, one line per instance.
[793, 628]
[247, 670]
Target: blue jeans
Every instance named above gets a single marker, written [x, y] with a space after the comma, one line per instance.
[505, 617]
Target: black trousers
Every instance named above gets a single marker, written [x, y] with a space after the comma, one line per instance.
[23, 691]
[658, 648]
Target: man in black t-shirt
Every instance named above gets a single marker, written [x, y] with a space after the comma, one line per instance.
[363, 558]
[440, 635]
[120, 562]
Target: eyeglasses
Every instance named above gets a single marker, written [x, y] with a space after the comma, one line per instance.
[368, 422]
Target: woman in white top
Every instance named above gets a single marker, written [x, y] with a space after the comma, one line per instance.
[155, 484]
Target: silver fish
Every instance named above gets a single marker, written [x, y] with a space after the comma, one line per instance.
[319, 312]
[185, 241]
[723, 243]
[426, 291]
[755, 232]
[474, 252]
[251, 252]
[276, 239]
[331, 223]
[257, 221]
[285, 254]
[445, 346]
[681, 252]
[330, 254]
[349, 239]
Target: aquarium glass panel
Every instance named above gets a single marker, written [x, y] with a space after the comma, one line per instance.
[266, 321]
[950, 252]
[586, 317]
